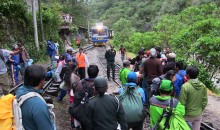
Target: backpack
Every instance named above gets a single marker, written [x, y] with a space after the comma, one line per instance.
[154, 87]
[185, 79]
[170, 120]
[4, 64]
[78, 111]
[132, 104]
[10, 111]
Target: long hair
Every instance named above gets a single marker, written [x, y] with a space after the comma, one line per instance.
[67, 76]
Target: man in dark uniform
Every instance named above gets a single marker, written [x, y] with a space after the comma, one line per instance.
[110, 57]
[104, 112]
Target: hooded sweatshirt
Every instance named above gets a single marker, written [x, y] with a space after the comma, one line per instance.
[193, 96]
[35, 113]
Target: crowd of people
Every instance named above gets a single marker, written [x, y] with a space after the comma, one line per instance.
[154, 84]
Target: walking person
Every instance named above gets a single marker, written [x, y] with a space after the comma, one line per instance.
[104, 111]
[123, 52]
[35, 112]
[193, 96]
[110, 57]
[83, 62]
[78, 42]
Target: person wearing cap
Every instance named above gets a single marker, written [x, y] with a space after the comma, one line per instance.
[83, 62]
[123, 73]
[152, 69]
[171, 63]
[61, 64]
[14, 66]
[104, 111]
[159, 102]
[110, 57]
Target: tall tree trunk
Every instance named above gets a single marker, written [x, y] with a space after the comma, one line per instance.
[35, 25]
[41, 21]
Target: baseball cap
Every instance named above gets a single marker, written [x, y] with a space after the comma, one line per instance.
[166, 85]
[68, 57]
[100, 82]
[153, 52]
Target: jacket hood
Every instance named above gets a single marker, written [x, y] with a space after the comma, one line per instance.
[130, 85]
[183, 72]
[26, 89]
[196, 83]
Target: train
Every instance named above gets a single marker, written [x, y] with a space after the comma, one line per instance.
[99, 34]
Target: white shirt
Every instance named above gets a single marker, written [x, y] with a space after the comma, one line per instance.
[6, 54]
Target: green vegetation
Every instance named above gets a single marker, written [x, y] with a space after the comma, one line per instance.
[190, 27]
[17, 24]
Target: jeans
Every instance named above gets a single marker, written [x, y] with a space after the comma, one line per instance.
[82, 72]
[62, 94]
[52, 58]
[111, 65]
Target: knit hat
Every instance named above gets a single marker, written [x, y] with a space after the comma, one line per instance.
[100, 82]
[166, 85]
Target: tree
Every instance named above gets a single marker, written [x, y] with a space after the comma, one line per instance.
[35, 25]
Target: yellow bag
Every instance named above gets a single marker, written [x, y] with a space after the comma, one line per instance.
[6, 112]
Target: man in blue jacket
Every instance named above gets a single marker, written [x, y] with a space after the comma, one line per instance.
[179, 78]
[35, 113]
[51, 50]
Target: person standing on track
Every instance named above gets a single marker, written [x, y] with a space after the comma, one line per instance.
[110, 57]
[123, 52]
[83, 62]
[152, 69]
[104, 111]
[193, 96]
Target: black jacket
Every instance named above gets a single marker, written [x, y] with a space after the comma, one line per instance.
[104, 112]
[110, 55]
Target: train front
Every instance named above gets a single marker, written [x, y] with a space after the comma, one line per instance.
[99, 35]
